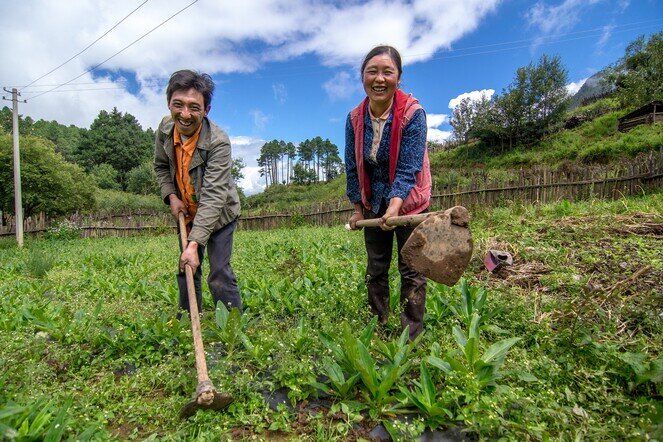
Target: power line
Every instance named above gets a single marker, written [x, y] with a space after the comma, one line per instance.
[121, 50]
[87, 47]
[519, 44]
[70, 84]
[81, 90]
[549, 37]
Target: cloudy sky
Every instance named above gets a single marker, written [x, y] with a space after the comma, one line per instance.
[287, 69]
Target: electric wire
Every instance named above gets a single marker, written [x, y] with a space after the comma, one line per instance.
[80, 90]
[70, 84]
[121, 50]
[87, 47]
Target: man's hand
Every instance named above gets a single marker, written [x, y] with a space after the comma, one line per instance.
[190, 257]
[177, 206]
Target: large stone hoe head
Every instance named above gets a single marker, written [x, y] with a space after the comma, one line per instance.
[440, 247]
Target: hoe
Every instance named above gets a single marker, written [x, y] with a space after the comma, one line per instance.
[440, 247]
[206, 396]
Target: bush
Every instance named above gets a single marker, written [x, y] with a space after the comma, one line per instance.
[113, 201]
[105, 176]
[64, 229]
[49, 183]
[142, 180]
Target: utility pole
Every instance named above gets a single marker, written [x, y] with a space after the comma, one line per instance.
[18, 202]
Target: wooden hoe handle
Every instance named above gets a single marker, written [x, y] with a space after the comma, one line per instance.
[201, 364]
[405, 220]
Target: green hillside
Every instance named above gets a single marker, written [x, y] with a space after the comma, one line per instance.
[596, 141]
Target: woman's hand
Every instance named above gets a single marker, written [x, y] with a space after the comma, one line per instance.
[356, 216]
[393, 209]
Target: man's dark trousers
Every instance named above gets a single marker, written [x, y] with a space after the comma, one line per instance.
[221, 280]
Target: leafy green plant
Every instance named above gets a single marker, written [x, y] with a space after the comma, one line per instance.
[377, 379]
[485, 368]
[640, 370]
[39, 263]
[468, 302]
[41, 420]
[63, 230]
[424, 396]
[338, 384]
[230, 326]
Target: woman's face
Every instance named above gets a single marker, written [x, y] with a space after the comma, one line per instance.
[380, 78]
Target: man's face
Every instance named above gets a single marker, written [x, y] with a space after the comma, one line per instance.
[187, 107]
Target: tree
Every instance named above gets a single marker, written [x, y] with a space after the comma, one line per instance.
[105, 176]
[332, 165]
[143, 180]
[291, 152]
[530, 107]
[116, 139]
[638, 74]
[49, 184]
[465, 115]
[303, 175]
[236, 170]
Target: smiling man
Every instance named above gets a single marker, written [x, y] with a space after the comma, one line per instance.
[192, 161]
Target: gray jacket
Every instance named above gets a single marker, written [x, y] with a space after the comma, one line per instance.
[218, 200]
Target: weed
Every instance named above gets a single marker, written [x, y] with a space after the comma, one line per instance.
[39, 263]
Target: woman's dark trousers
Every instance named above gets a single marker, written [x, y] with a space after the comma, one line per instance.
[379, 245]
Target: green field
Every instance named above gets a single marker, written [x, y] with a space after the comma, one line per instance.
[565, 345]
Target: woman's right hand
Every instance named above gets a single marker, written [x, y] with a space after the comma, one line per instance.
[356, 216]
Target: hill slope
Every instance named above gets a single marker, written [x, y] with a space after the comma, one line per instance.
[597, 141]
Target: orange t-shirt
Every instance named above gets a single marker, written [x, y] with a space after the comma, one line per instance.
[183, 155]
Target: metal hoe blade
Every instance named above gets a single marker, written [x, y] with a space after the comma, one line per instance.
[206, 398]
[440, 247]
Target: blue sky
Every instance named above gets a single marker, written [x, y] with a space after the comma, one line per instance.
[289, 69]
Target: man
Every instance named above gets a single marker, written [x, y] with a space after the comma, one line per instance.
[192, 161]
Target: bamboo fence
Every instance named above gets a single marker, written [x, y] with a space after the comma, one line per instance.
[474, 189]
[477, 190]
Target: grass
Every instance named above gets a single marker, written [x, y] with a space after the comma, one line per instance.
[91, 347]
[596, 141]
[282, 198]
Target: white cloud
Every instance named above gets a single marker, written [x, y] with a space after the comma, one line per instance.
[438, 135]
[559, 18]
[252, 182]
[248, 149]
[573, 87]
[605, 36]
[434, 120]
[280, 92]
[341, 86]
[276, 29]
[260, 120]
[474, 96]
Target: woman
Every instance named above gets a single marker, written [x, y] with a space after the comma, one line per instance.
[388, 174]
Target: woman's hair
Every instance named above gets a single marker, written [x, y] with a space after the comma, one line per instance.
[187, 79]
[383, 49]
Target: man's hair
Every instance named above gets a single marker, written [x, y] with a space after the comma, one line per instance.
[383, 49]
[187, 79]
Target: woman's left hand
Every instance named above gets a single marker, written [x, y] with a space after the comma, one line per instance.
[393, 209]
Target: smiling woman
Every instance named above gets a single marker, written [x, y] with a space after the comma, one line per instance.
[388, 174]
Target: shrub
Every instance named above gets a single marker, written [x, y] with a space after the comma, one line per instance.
[49, 183]
[105, 176]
